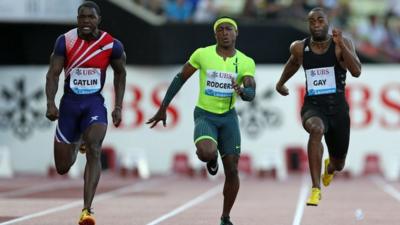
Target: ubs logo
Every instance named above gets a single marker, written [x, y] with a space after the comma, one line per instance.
[320, 71]
[81, 72]
[20, 111]
[259, 115]
[214, 74]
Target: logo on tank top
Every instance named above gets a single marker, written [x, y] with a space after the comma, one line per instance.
[321, 81]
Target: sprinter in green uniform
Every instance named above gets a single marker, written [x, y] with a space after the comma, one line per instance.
[225, 73]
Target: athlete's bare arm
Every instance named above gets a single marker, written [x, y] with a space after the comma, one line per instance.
[118, 66]
[161, 115]
[52, 77]
[187, 71]
[292, 65]
[346, 53]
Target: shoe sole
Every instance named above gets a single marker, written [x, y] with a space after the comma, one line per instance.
[87, 221]
[311, 204]
[212, 172]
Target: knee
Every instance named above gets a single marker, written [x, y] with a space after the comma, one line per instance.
[94, 151]
[316, 130]
[231, 172]
[205, 154]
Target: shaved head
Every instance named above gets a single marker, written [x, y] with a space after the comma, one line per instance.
[90, 4]
[318, 10]
[318, 24]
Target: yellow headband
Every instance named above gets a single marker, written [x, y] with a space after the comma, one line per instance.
[224, 20]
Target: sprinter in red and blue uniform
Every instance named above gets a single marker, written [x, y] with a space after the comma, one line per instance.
[84, 54]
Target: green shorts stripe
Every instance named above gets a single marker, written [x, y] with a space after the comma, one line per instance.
[205, 137]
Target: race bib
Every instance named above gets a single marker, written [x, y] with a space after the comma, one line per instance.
[219, 84]
[321, 81]
[85, 80]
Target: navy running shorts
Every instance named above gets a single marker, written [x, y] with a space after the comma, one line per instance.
[76, 114]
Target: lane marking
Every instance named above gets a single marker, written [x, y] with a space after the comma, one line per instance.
[386, 187]
[38, 188]
[301, 202]
[101, 197]
[199, 199]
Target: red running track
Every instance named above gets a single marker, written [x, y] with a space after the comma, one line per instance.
[174, 200]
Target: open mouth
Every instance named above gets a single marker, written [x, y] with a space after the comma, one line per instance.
[87, 29]
[317, 31]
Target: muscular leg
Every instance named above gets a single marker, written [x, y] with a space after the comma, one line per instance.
[93, 138]
[232, 183]
[206, 150]
[64, 156]
[315, 127]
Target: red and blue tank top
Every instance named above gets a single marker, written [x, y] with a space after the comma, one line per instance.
[86, 62]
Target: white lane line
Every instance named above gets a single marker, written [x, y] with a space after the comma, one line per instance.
[215, 190]
[104, 196]
[301, 202]
[386, 187]
[38, 188]
[43, 213]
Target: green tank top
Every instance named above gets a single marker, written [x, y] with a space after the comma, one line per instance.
[216, 92]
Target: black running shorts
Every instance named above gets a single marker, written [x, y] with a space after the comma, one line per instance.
[336, 120]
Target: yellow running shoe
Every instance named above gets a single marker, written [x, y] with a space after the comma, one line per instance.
[314, 198]
[86, 218]
[326, 177]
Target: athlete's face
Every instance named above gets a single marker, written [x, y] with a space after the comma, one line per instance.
[88, 20]
[226, 34]
[318, 25]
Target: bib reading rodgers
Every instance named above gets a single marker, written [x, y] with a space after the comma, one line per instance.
[321, 81]
[219, 83]
[85, 80]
